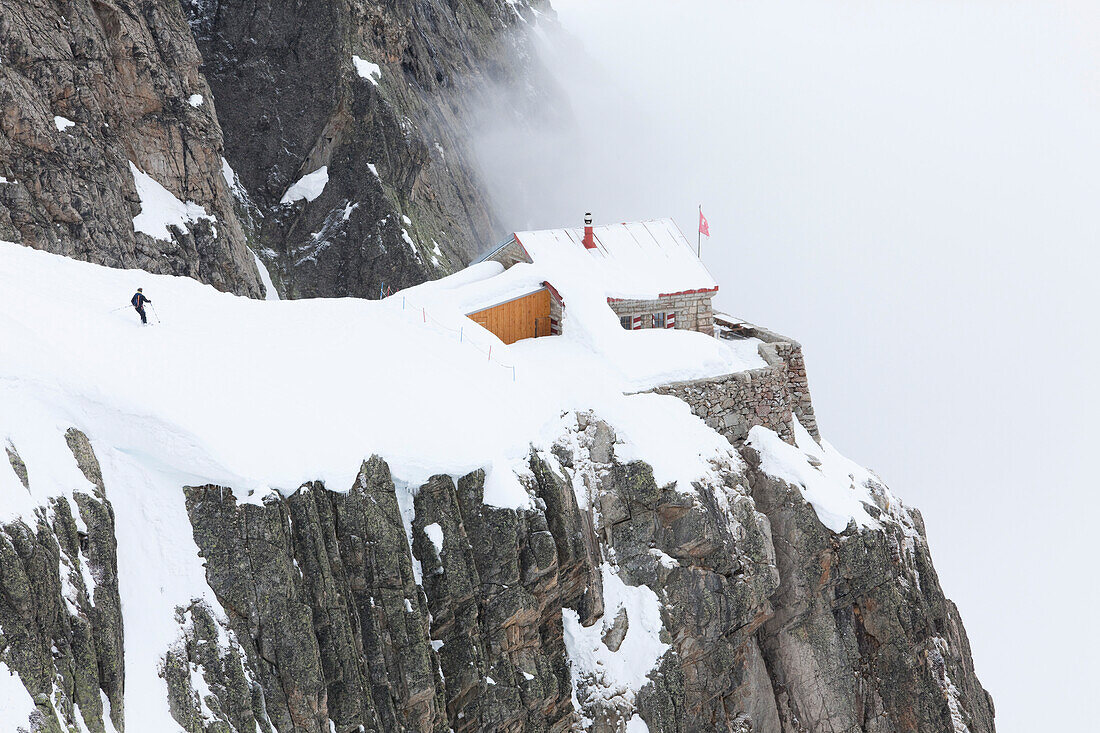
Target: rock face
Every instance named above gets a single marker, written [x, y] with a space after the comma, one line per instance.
[609, 601]
[61, 624]
[383, 96]
[429, 610]
[322, 591]
[88, 89]
[862, 637]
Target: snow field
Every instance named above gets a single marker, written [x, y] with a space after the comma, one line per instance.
[266, 395]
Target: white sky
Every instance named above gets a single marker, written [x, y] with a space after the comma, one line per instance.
[910, 189]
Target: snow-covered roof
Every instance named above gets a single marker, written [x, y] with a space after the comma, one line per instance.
[641, 260]
[479, 286]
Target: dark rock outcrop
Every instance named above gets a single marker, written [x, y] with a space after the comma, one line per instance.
[88, 88]
[403, 201]
[321, 591]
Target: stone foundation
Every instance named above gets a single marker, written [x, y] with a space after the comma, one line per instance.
[770, 396]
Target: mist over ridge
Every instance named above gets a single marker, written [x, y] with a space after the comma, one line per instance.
[908, 189]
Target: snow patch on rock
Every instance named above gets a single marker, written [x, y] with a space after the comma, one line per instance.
[836, 487]
[308, 187]
[270, 293]
[597, 671]
[233, 181]
[409, 241]
[15, 701]
[435, 534]
[367, 70]
[160, 209]
[937, 663]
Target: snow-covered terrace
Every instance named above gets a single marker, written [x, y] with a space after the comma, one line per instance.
[259, 396]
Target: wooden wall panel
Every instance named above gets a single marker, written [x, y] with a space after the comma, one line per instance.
[525, 317]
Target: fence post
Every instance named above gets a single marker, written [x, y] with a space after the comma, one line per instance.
[490, 352]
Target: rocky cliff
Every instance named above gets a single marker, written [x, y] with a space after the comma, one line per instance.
[61, 626]
[226, 104]
[90, 91]
[382, 95]
[609, 603]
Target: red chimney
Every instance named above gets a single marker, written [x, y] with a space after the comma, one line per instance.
[589, 239]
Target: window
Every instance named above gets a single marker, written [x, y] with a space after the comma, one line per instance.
[625, 321]
[658, 320]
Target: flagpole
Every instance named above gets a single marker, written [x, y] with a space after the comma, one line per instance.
[699, 234]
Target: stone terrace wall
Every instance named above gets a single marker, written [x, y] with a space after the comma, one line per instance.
[770, 396]
[780, 351]
[693, 311]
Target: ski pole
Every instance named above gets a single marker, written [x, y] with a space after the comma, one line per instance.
[155, 312]
[115, 310]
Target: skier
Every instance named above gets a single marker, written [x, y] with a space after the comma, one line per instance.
[139, 301]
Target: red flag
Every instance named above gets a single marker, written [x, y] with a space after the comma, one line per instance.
[704, 227]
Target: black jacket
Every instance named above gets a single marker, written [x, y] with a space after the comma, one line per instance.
[139, 300]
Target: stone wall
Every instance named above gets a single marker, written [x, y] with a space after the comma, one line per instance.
[770, 396]
[510, 254]
[733, 403]
[555, 314]
[782, 352]
[693, 310]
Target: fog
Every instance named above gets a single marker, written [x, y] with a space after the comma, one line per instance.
[910, 189]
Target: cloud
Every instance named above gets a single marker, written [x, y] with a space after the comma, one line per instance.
[910, 189]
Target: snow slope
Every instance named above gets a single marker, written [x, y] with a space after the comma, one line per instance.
[260, 395]
[265, 395]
